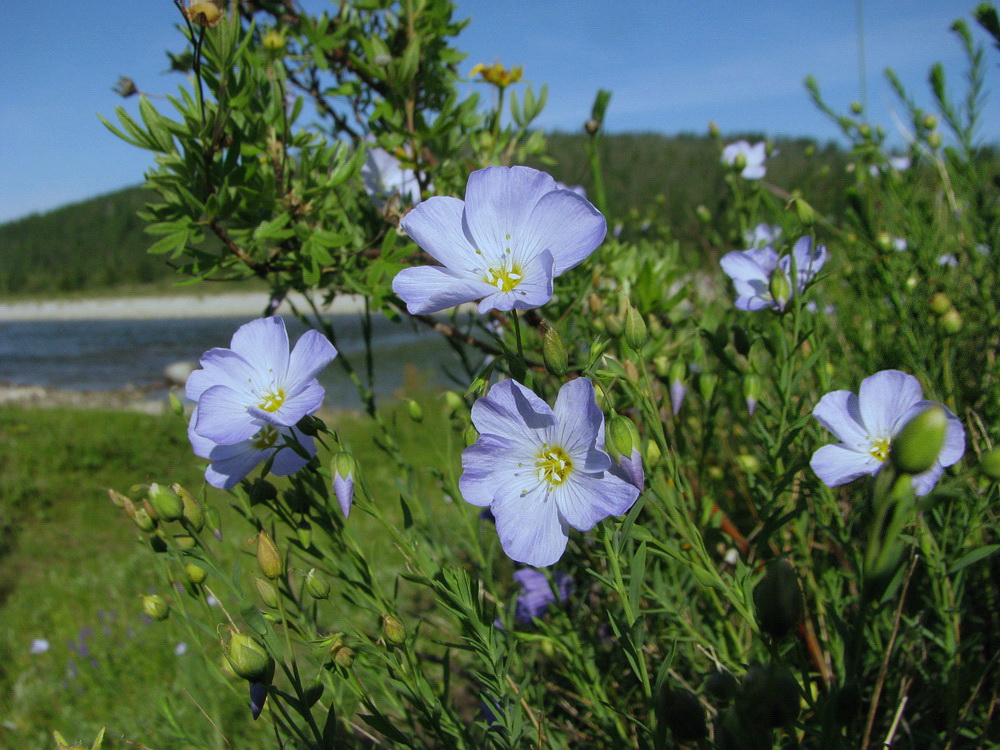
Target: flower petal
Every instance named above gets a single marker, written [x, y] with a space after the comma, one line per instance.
[586, 499]
[745, 265]
[489, 463]
[223, 416]
[263, 343]
[530, 528]
[436, 226]
[884, 398]
[512, 411]
[498, 203]
[306, 401]
[924, 483]
[838, 412]
[431, 289]
[566, 225]
[578, 422]
[287, 461]
[220, 367]
[312, 353]
[837, 464]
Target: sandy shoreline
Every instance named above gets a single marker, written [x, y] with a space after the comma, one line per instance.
[237, 304]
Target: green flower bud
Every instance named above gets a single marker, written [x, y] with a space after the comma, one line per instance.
[155, 607]
[213, 521]
[268, 594]
[195, 573]
[990, 464]
[751, 390]
[273, 41]
[917, 446]
[416, 411]
[934, 140]
[865, 131]
[856, 108]
[777, 599]
[554, 353]
[805, 212]
[748, 464]
[739, 162]
[911, 283]
[678, 372]
[951, 322]
[722, 685]
[249, 659]
[312, 693]
[192, 513]
[930, 121]
[780, 289]
[661, 366]
[143, 520]
[317, 585]
[706, 385]
[342, 655]
[635, 329]
[884, 241]
[703, 214]
[454, 403]
[596, 304]
[622, 437]
[117, 498]
[393, 629]
[653, 454]
[268, 557]
[168, 506]
[683, 714]
[939, 303]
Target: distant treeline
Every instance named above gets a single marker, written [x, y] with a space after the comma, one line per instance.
[99, 244]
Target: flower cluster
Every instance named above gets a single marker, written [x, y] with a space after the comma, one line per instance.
[504, 244]
[763, 280]
[542, 470]
[251, 396]
[866, 423]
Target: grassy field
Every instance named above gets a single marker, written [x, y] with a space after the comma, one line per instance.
[72, 573]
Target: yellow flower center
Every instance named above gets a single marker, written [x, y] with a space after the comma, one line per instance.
[880, 448]
[553, 464]
[504, 278]
[272, 400]
[266, 438]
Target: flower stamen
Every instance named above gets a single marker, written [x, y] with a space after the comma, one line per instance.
[504, 278]
[879, 448]
[272, 400]
[264, 439]
[553, 465]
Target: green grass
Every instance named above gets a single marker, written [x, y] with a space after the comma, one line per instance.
[73, 569]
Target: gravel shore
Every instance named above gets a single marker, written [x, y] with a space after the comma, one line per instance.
[236, 304]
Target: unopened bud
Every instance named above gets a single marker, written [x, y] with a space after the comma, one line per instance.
[343, 468]
[635, 329]
[343, 656]
[951, 322]
[631, 371]
[661, 366]
[118, 498]
[454, 403]
[213, 521]
[856, 108]
[168, 506]
[195, 573]
[884, 241]
[143, 520]
[865, 131]
[193, 514]
[268, 557]
[592, 126]
[934, 140]
[713, 129]
[615, 324]
[317, 585]
[706, 385]
[205, 12]
[596, 304]
[653, 454]
[751, 390]
[554, 353]
[780, 289]
[249, 659]
[416, 411]
[155, 607]
[930, 121]
[805, 212]
[393, 629]
[273, 41]
[917, 446]
[268, 594]
[703, 214]
[185, 541]
[939, 303]
[990, 464]
[740, 162]
[777, 599]
[622, 437]
[683, 714]
[748, 463]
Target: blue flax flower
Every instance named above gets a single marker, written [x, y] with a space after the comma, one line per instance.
[384, 177]
[867, 422]
[536, 594]
[752, 272]
[250, 396]
[514, 232]
[753, 158]
[541, 470]
[257, 382]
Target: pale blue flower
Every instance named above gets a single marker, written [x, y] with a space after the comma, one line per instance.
[866, 424]
[383, 178]
[504, 244]
[753, 156]
[541, 470]
[948, 260]
[536, 594]
[230, 463]
[752, 271]
[38, 646]
[762, 235]
[256, 382]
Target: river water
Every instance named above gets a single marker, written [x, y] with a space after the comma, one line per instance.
[114, 354]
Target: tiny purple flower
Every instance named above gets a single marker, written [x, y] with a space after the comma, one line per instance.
[504, 244]
[343, 488]
[536, 594]
[754, 157]
[677, 391]
[867, 422]
[383, 178]
[541, 470]
[256, 382]
[752, 271]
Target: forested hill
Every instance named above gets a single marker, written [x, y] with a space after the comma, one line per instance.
[99, 244]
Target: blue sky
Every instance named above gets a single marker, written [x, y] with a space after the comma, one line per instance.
[672, 66]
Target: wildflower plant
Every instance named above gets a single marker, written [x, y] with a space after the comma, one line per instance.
[737, 580]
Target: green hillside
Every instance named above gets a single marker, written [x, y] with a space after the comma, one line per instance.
[100, 244]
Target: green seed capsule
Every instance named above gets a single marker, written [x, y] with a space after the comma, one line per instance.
[155, 607]
[249, 659]
[268, 556]
[917, 446]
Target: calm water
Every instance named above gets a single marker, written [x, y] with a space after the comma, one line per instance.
[112, 354]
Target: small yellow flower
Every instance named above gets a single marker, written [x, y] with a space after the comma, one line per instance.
[273, 41]
[205, 12]
[497, 74]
